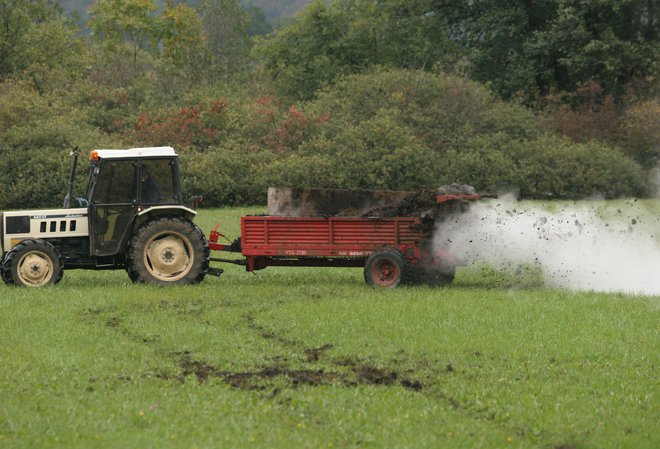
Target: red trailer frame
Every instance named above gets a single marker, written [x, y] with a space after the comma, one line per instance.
[391, 249]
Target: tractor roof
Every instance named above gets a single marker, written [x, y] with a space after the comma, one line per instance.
[133, 153]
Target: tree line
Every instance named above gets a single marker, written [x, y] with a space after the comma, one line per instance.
[551, 98]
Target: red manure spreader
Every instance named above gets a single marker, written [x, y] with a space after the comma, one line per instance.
[389, 234]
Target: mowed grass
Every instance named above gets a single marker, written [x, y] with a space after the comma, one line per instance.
[312, 357]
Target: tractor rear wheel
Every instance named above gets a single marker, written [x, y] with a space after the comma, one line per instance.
[168, 251]
[385, 268]
[32, 263]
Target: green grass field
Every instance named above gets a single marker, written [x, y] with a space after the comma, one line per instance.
[313, 358]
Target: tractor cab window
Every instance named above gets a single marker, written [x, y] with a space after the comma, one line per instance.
[115, 183]
[157, 182]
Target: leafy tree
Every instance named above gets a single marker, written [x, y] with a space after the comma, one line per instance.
[225, 24]
[530, 48]
[347, 36]
[298, 58]
[583, 115]
[36, 41]
[184, 41]
[118, 25]
[258, 24]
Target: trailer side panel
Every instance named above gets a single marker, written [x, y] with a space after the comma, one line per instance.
[325, 237]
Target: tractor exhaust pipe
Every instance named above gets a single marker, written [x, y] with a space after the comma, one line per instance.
[69, 190]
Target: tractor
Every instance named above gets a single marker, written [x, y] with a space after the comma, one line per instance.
[132, 217]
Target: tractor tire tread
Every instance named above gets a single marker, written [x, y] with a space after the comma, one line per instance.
[135, 267]
[11, 259]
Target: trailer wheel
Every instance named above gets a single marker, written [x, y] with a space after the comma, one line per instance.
[168, 251]
[385, 269]
[32, 263]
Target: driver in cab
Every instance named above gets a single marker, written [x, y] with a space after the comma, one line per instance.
[149, 188]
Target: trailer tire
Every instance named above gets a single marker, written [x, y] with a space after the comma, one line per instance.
[32, 263]
[168, 251]
[387, 268]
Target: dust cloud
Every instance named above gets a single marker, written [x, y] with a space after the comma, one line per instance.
[586, 248]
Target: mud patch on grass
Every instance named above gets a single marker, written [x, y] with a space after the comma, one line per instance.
[273, 376]
[365, 373]
[259, 379]
[378, 376]
[347, 371]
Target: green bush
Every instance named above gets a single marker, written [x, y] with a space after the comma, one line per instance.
[547, 167]
[36, 163]
[297, 170]
[482, 163]
[224, 175]
[442, 110]
[640, 138]
[404, 130]
[380, 153]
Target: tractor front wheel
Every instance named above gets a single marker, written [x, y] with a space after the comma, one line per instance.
[385, 268]
[32, 263]
[168, 251]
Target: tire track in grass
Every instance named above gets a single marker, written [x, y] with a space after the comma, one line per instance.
[364, 373]
[345, 371]
[259, 379]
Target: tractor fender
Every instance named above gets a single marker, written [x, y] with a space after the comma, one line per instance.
[157, 211]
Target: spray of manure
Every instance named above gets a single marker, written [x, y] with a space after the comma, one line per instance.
[574, 247]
